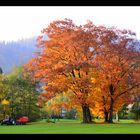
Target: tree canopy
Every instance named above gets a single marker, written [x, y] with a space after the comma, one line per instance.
[90, 64]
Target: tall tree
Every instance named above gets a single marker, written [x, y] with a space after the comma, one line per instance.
[66, 62]
[118, 70]
[73, 56]
[23, 95]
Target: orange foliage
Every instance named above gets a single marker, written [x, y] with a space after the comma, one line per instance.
[91, 64]
[117, 67]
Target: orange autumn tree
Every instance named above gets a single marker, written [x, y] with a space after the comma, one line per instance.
[70, 59]
[118, 71]
[67, 62]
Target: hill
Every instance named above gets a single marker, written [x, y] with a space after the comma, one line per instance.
[16, 53]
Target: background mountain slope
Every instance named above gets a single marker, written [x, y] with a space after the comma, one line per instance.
[16, 53]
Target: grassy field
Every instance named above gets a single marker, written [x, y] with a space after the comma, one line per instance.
[73, 127]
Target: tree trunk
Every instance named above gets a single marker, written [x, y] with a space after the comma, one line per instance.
[86, 114]
[111, 90]
[106, 116]
[105, 110]
[111, 111]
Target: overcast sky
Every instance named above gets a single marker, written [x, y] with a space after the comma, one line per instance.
[26, 21]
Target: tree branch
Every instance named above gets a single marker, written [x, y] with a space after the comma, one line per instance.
[129, 89]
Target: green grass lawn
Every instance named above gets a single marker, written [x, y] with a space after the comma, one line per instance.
[73, 127]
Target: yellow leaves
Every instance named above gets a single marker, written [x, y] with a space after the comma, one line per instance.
[44, 87]
[5, 102]
[93, 80]
[98, 89]
[76, 72]
[55, 104]
[96, 111]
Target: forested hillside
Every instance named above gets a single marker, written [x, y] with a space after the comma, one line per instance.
[16, 53]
